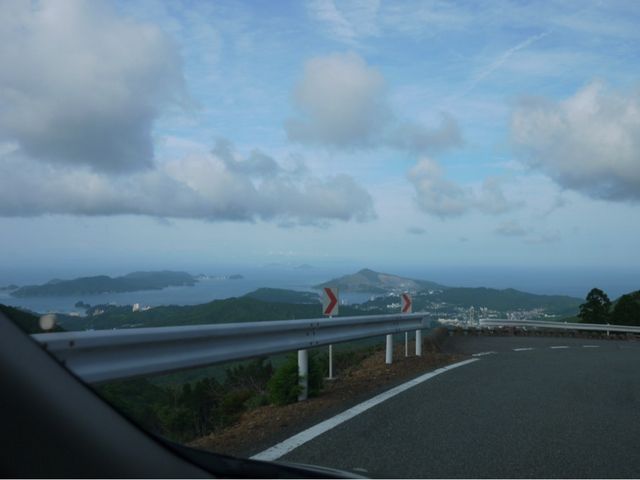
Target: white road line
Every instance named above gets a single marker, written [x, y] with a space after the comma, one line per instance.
[482, 354]
[590, 346]
[291, 443]
[560, 346]
[524, 349]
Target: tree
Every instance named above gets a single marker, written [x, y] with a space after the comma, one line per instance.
[596, 308]
[627, 311]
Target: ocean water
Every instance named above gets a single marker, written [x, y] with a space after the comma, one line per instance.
[563, 281]
[202, 292]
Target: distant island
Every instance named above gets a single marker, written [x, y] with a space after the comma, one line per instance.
[133, 282]
[438, 302]
[304, 266]
[9, 288]
[369, 281]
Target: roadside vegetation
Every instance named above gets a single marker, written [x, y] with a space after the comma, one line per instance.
[598, 308]
[207, 405]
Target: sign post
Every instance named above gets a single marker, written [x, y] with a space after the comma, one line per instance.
[330, 307]
[405, 307]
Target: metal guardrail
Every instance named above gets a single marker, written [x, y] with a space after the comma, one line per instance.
[103, 355]
[540, 324]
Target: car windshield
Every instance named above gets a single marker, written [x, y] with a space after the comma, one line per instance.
[393, 238]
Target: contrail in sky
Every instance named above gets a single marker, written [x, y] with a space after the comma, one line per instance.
[498, 62]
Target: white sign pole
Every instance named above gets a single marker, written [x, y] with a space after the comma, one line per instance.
[303, 374]
[388, 358]
[406, 344]
[406, 306]
[330, 305]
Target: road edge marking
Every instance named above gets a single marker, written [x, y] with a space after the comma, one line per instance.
[482, 354]
[282, 448]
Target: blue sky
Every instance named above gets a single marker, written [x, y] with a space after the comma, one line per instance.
[152, 133]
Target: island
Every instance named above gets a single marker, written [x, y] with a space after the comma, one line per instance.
[369, 281]
[132, 282]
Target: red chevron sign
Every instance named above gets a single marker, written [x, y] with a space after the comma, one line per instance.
[405, 300]
[330, 301]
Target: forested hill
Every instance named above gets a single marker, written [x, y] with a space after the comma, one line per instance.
[243, 309]
[281, 295]
[131, 282]
[509, 299]
[491, 298]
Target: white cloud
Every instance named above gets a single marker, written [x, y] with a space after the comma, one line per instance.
[416, 230]
[81, 86]
[439, 196]
[511, 228]
[543, 238]
[342, 102]
[491, 199]
[210, 187]
[415, 137]
[435, 194]
[529, 236]
[589, 142]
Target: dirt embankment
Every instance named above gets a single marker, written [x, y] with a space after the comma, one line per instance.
[265, 426]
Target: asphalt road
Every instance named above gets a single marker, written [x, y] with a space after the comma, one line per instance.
[543, 412]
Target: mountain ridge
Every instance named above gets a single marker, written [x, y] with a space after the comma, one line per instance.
[370, 281]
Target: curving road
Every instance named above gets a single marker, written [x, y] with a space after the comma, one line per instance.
[528, 407]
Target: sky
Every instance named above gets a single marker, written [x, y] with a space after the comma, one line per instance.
[155, 134]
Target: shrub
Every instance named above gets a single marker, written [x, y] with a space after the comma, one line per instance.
[284, 387]
[253, 375]
[232, 405]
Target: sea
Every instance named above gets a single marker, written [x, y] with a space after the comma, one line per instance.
[574, 282]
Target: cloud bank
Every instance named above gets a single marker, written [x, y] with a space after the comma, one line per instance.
[439, 196]
[81, 89]
[80, 86]
[211, 187]
[341, 102]
[589, 142]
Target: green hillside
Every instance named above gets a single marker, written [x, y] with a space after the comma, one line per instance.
[493, 299]
[243, 309]
[509, 299]
[281, 295]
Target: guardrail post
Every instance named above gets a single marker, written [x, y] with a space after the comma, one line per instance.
[303, 374]
[406, 344]
[418, 343]
[389, 353]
